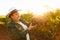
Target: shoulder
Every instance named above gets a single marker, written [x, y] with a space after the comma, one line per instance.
[10, 24]
[24, 22]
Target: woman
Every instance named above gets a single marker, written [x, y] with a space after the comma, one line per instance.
[17, 27]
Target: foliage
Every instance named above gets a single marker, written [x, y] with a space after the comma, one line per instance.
[48, 25]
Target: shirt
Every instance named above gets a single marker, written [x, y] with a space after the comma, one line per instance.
[25, 28]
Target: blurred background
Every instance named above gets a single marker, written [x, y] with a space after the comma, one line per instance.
[44, 13]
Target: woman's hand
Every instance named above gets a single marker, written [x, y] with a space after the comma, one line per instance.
[31, 26]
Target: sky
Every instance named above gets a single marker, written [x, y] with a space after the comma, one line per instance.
[36, 6]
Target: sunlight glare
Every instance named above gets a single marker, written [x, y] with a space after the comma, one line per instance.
[36, 6]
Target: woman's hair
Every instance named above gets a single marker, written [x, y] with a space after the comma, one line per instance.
[12, 12]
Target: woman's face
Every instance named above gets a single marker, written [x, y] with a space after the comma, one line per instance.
[15, 17]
